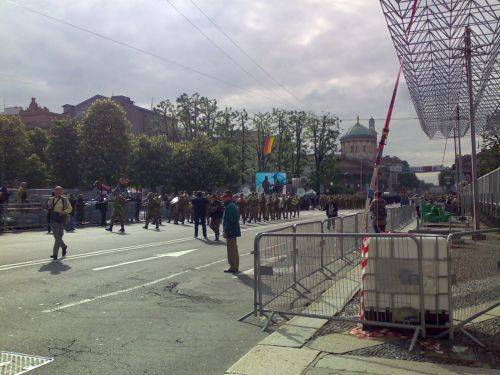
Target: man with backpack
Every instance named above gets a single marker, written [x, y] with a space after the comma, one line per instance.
[60, 208]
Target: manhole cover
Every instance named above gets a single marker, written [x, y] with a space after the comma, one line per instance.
[17, 363]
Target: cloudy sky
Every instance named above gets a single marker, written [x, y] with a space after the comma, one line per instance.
[333, 55]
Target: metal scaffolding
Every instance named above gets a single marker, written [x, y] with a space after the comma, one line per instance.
[434, 54]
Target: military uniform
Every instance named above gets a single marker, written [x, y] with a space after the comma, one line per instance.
[253, 203]
[118, 212]
[242, 207]
[263, 215]
[295, 206]
[153, 210]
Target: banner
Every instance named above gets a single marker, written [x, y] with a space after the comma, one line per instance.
[426, 169]
[270, 182]
[268, 145]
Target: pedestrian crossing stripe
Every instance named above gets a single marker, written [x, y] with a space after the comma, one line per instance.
[18, 363]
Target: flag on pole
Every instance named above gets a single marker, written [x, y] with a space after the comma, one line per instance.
[268, 145]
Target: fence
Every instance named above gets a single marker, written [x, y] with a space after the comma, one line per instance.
[489, 196]
[474, 285]
[34, 216]
[419, 282]
[307, 274]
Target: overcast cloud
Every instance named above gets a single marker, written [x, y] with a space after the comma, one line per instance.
[334, 55]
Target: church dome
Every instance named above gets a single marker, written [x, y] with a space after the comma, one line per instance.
[359, 131]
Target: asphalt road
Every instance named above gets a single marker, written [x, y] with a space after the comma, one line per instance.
[143, 302]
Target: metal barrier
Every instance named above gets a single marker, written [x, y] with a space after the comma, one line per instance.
[474, 282]
[22, 216]
[309, 274]
[489, 196]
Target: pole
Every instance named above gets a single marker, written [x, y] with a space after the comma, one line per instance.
[475, 200]
[460, 170]
[242, 149]
[456, 157]
[361, 178]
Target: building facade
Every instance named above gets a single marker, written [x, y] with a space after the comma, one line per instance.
[33, 116]
[140, 118]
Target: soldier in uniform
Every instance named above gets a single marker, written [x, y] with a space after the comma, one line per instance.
[242, 207]
[183, 207]
[216, 211]
[295, 206]
[118, 212]
[263, 208]
[253, 203]
[153, 210]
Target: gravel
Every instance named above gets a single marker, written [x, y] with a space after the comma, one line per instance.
[487, 332]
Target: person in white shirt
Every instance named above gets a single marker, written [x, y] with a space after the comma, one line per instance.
[60, 209]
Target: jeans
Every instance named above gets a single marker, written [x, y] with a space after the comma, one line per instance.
[197, 221]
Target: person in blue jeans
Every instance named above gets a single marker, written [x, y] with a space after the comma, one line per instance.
[200, 205]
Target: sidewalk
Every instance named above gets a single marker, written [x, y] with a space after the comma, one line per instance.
[307, 346]
[294, 350]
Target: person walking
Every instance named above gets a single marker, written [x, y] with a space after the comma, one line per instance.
[216, 210]
[379, 213]
[118, 212]
[231, 231]
[153, 205]
[200, 211]
[60, 208]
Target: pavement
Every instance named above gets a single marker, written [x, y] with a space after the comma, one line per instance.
[298, 347]
[143, 302]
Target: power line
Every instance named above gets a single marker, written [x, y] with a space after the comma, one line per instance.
[244, 52]
[234, 61]
[140, 50]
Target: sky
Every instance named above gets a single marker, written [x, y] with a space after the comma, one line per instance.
[332, 55]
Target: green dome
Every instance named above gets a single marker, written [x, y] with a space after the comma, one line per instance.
[359, 131]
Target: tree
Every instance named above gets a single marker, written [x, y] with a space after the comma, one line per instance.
[323, 132]
[262, 125]
[280, 118]
[14, 148]
[65, 153]
[38, 140]
[151, 161]
[165, 120]
[36, 172]
[198, 166]
[446, 177]
[105, 141]
[489, 157]
[298, 121]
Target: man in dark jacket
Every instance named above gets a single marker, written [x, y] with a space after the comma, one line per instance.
[216, 210]
[200, 204]
[231, 230]
[379, 213]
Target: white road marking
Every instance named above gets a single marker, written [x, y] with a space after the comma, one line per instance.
[94, 253]
[87, 300]
[30, 263]
[174, 254]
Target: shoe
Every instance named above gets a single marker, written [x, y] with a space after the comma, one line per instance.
[54, 257]
[64, 251]
[122, 230]
[229, 270]
[205, 237]
[109, 229]
[145, 227]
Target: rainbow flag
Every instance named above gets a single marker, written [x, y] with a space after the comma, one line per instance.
[268, 145]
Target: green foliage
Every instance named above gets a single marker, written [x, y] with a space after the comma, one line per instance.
[489, 157]
[14, 148]
[105, 141]
[198, 166]
[151, 161]
[446, 177]
[65, 153]
[36, 173]
[38, 140]
[408, 181]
